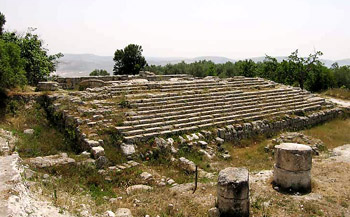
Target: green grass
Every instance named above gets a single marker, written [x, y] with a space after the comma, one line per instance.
[341, 93]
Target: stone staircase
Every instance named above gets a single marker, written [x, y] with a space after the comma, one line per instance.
[179, 107]
[238, 82]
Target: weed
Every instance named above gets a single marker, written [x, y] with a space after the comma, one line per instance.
[334, 133]
[341, 93]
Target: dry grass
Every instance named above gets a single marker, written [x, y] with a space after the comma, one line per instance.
[334, 133]
[250, 153]
[341, 93]
[46, 140]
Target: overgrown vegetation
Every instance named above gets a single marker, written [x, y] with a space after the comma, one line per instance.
[341, 93]
[334, 133]
[250, 153]
[45, 140]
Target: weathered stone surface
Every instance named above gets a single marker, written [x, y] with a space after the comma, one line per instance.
[49, 161]
[123, 212]
[146, 175]
[91, 83]
[233, 183]
[134, 188]
[293, 157]
[161, 143]
[28, 131]
[234, 208]
[213, 212]
[47, 86]
[202, 143]
[101, 162]
[92, 143]
[127, 149]
[97, 152]
[297, 181]
[109, 213]
[233, 192]
[219, 140]
[187, 165]
[300, 138]
[7, 142]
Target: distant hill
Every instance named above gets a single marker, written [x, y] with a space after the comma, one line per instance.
[76, 65]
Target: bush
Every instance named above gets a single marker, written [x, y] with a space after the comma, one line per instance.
[99, 72]
[11, 65]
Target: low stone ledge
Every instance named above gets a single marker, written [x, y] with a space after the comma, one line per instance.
[49, 161]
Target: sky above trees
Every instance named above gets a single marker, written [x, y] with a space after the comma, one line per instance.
[187, 28]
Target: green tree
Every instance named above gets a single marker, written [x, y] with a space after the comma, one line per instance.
[341, 75]
[38, 64]
[11, 65]
[129, 60]
[2, 23]
[246, 68]
[99, 72]
[303, 66]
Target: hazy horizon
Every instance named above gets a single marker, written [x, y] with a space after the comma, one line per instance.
[186, 29]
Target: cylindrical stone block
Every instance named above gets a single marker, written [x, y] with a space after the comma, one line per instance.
[293, 157]
[233, 192]
[297, 181]
[292, 170]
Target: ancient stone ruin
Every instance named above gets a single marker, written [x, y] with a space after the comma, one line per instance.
[233, 192]
[292, 170]
[141, 109]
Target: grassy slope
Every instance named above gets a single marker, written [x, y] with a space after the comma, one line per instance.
[78, 181]
[340, 93]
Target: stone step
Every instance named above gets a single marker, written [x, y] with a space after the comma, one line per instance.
[145, 136]
[209, 110]
[162, 98]
[226, 100]
[203, 109]
[181, 123]
[209, 103]
[223, 86]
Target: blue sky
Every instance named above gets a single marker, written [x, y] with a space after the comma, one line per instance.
[187, 28]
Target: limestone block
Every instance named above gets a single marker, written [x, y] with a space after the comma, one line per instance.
[47, 86]
[234, 208]
[97, 152]
[293, 157]
[145, 175]
[187, 165]
[233, 192]
[134, 188]
[233, 183]
[127, 149]
[298, 181]
[123, 212]
[213, 212]
[28, 131]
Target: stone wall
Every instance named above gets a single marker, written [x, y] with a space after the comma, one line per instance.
[73, 82]
[269, 127]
